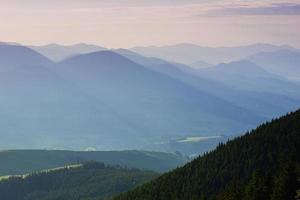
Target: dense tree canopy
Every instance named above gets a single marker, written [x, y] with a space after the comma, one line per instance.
[261, 165]
[90, 181]
[264, 164]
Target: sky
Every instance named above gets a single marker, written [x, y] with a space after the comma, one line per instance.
[128, 23]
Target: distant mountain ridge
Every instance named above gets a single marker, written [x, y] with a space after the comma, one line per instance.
[191, 53]
[13, 56]
[284, 63]
[247, 75]
[123, 73]
[240, 82]
[95, 99]
[58, 52]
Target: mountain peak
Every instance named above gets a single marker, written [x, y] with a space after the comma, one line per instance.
[98, 55]
[101, 59]
[58, 52]
[12, 56]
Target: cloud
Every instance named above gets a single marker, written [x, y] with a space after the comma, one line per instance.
[156, 8]
[155, 22]
[266, 8]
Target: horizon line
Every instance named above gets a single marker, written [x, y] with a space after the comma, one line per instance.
[146, 46]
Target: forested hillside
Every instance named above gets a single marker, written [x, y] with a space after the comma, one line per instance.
[18, 162]
[261, 165]
[89, 181]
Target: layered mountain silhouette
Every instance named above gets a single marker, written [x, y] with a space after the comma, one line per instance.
[191, 53]
[260, 90]
[135, 90]
[58, 52]
[12, 56]
[283, 62]
[99, 99]
[248, 76]
[241, 82]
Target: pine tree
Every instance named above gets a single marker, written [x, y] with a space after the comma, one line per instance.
[257, 188]
[298, 195]
[232, 192]
[286, 184]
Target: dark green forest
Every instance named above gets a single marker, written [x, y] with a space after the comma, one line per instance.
[264, 164]
[89, 181]
[17, 162]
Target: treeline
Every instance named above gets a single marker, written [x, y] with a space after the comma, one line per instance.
[90, 181]
[15, 162]
[264, 164]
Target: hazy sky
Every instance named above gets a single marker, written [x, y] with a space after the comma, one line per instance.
[126, 23]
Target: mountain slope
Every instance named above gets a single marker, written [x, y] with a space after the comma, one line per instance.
[12, 56]
[257, 165]
[242, 83]
[94, 100]
[98, 99]
[40, 109]
[200, 65]
[248, 76]
[190, 53]
[155, 64]
[260, 91]
[58, 52]
[18, 162]
[88, 181]
[284, 63]
[151, 101]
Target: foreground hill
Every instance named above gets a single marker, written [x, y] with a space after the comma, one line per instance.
[17, 162]
[78, 182]
[263, 164]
